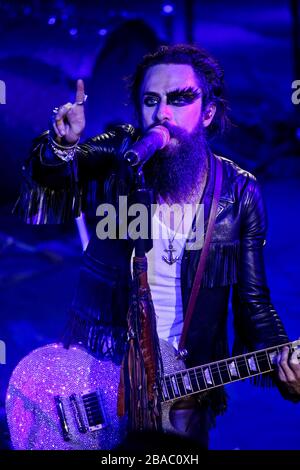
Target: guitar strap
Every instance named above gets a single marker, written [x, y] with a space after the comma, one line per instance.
[203, 256]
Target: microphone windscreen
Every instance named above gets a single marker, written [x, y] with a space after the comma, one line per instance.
[162, 133]
[155, 139]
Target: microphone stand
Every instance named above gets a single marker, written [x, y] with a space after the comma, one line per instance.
[143, 195]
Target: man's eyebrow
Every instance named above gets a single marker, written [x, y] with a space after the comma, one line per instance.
[178, 91]
[153, 93]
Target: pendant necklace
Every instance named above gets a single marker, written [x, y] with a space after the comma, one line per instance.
[169, 258]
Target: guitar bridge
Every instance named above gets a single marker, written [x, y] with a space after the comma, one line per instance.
[94, 409]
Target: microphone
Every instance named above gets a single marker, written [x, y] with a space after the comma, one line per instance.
[156, 138]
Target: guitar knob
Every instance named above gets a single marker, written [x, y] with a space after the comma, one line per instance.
[182, 354]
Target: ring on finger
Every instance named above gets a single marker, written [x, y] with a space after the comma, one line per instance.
[80, 103]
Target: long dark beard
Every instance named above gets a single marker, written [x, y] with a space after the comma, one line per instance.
[176, 171]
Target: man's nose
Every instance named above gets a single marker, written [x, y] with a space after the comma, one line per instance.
[164, 112]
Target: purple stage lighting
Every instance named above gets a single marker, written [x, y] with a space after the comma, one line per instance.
[73, 31]
[27, 10]
[168, 9]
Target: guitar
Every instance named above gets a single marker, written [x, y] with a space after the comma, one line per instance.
[66, 399]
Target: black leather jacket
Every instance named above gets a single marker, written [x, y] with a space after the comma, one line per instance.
[55, 191]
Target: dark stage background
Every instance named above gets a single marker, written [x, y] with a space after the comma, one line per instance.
[44, 47]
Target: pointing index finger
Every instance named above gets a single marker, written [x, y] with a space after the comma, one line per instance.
[80, 91]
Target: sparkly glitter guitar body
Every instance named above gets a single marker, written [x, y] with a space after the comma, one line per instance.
[67, 399]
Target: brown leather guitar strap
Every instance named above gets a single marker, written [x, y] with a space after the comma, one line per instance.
[203, 256]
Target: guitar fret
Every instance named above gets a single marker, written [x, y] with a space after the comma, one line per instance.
[263, 363]
[189, 374]
[242, 367]
[204, 378]
[252, 363]
[164, 390]
[186, 382]
[170, 387]
[236, 366]
[257, 363]
[175, 385]
[218, 367]
[201, 379]
[217, 379]
[272, 355]
[208, 377]
[181, 383]
[234, 373]
[227, 371]
[211, 374]
[248, 366]
[194, 380]
[268, 359]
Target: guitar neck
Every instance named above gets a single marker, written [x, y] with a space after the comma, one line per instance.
[215, 374]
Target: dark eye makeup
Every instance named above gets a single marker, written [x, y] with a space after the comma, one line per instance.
[177, 97]
[182, 97]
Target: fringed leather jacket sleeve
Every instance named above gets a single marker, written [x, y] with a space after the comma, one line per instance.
[55, 191]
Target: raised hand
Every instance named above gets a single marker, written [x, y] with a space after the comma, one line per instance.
[69, 120]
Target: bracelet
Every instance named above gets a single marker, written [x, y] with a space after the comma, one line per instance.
[63, 152]
[64, 147]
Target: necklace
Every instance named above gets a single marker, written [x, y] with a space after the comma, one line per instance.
[169, 258]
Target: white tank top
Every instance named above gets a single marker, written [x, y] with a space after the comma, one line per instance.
[164, 279]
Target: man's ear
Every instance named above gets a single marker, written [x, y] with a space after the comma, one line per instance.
[208, 114]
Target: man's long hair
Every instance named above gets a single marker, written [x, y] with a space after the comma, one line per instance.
[207, 70]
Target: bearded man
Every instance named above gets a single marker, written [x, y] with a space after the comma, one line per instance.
[180, 88]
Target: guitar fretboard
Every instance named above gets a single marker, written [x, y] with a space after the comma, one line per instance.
[215, 374]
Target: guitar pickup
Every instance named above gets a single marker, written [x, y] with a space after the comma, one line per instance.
[82, 428]
[62, 418]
